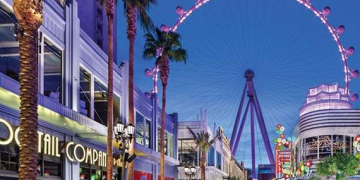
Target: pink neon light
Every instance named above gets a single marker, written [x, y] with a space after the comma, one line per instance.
[307, 4]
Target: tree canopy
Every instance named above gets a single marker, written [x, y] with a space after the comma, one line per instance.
[340, 165]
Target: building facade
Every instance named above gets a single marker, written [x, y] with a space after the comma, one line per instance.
[327, 125]
[73, 98]
[218, 158]
[237, 170]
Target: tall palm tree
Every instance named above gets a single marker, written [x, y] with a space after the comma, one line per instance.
[203, 142]
[110, 11]
[29, 16]
[133, 10]
[164, 47]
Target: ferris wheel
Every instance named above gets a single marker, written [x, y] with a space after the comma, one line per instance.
[221, 73]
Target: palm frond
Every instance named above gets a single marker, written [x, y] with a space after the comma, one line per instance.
[178, 55]
[192, 133]
[145, 20]
[149, 53]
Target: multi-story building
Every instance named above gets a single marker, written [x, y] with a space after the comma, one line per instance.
[73, 98]
[327, 125]
[218, 159]
[237, 170]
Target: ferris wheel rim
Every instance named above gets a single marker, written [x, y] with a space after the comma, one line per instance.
[308, 5]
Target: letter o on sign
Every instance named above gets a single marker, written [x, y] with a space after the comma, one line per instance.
[83, 153]
[11, 133]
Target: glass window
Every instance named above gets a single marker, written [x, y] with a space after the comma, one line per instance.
[116, 102]
[8, 161]
[188, 154]
[139, 128]
[171, 145]
[93, 172]
[211, 157]
[100, 102]
[338, 143]
[159, 141]
[324, 146]
[85, 93]
[9, 46]
[52, 168]
[166, 151]
[49, 165]
[148, 133]
[52, 71]
[311, 148]
[348, 144]
[218, 160]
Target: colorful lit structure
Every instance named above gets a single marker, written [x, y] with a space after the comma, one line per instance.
[283, 164]
[327, 125]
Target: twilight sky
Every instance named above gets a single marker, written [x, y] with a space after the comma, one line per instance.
[289, 49]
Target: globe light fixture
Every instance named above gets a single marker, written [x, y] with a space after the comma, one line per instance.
[190, 171]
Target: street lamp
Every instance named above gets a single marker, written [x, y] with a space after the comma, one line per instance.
[123, 135]
[190, 171]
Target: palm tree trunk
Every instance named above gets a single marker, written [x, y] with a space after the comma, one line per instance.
[162, 134]
[203, 165]
[131, 33]
[164, 76]
[110, 96]
[29, 15]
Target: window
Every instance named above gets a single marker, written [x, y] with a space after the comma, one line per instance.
[166, 149]
[211, 157]
[93, 172]
[218, 160]
[139, 129]
[311, 148]
[188, 154]
[8, 161]
[171, 145]
[324, 146]
[100, 102]
[52, 71]
[143, 130]
[49, 166]
[147, 133]
[85, 93]
[338, 143]
[9, 46]
[348, 144]
[116, 102]
[165, 142]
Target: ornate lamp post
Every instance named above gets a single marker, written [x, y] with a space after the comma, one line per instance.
[123, 135]
[190, 171]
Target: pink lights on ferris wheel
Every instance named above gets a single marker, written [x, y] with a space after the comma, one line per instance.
[149, 72]
[164, 28]
[180, 10]
[326, 11]
[340, 30]
[354, 73]
[350, 51]
[322, 15]
[354, 96]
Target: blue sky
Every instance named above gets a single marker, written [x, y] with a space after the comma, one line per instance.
[289, 49]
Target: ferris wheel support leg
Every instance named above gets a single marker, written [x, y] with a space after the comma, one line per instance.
[252, 140]
[236, 145]
[263, 130]
[237, 120]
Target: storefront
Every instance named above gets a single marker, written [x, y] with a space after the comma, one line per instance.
[54, 152]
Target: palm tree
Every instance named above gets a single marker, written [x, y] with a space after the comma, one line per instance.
[29, 16]
[133, 9]
[110, 11]
[164, 47]
[203, 142]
